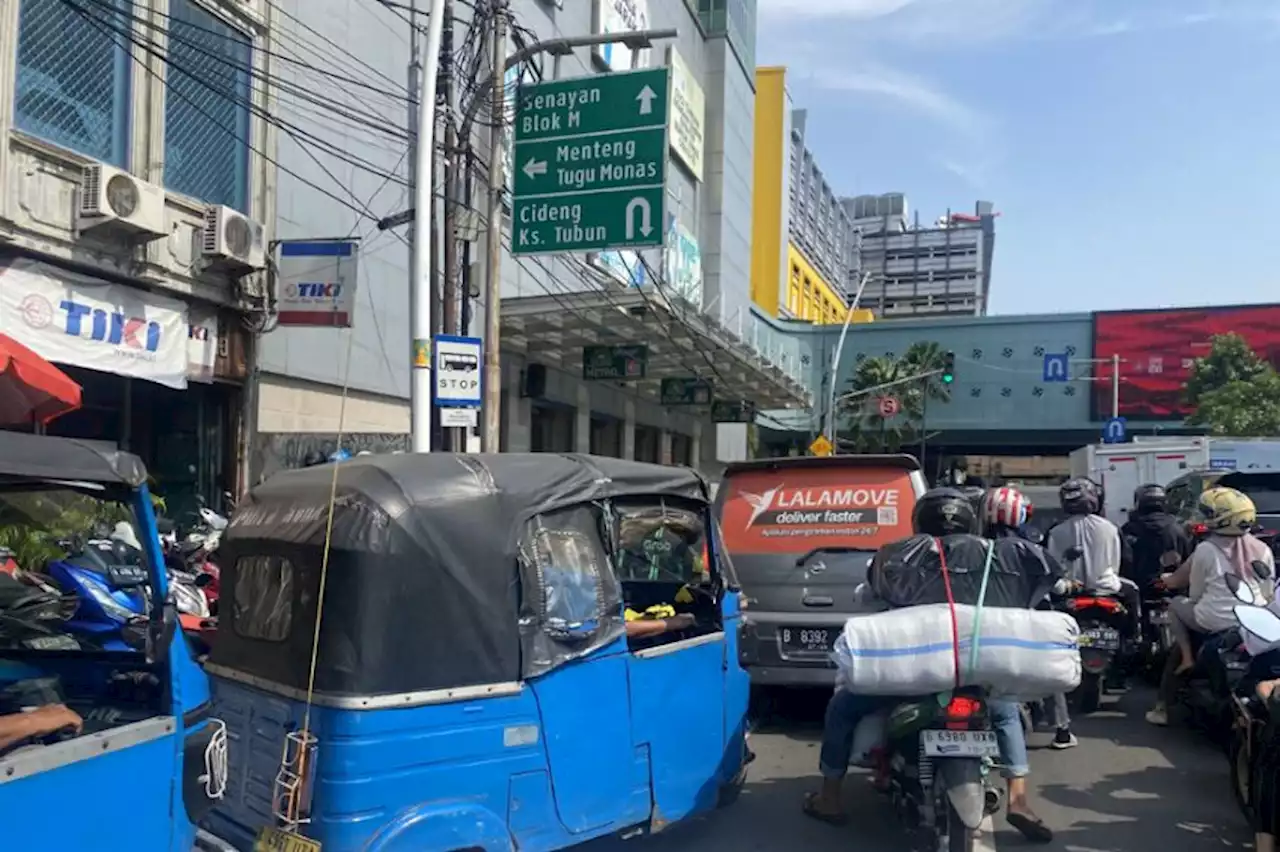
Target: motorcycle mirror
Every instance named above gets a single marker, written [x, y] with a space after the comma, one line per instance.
[1262, 569]
[1073, 553]
[1262, 623]
[203, 580]
[1239, 588]
[164, 526]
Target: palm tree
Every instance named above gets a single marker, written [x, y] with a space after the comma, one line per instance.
[870, 430]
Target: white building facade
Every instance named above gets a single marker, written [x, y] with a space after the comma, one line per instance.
[938, 270]
[136, 196]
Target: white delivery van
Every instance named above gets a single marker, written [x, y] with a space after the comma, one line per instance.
[1121, 468]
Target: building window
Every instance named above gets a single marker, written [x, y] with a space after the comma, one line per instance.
[73, 77]
[206, 114]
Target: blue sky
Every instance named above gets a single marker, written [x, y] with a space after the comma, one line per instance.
[1132, 147]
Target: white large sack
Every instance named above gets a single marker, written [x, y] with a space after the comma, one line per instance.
[1022, 654]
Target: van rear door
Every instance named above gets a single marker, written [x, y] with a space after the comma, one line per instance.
[801, 533]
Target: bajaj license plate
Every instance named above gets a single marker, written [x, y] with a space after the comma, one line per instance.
[272, 839]
[812, 639]
[959, 743]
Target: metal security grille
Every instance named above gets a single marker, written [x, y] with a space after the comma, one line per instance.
[206, 120]
[73, 78]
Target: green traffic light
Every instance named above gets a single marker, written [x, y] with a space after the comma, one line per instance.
[947, 378]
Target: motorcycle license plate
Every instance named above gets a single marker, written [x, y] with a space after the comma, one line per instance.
[272, 839]
[1102, 638]
[1159, 617]
[959, 743]
[817, 640]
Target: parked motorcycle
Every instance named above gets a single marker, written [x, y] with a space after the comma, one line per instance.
[939, 751]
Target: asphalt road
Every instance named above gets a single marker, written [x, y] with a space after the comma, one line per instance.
[1128, 787]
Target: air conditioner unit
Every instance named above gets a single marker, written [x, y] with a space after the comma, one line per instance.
[231, 239]
[114, 198]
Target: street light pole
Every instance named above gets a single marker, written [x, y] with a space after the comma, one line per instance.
[835, 359]
[421, 283]
[490, 434]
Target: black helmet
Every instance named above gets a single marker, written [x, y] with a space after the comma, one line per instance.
[975, 494]
[944, 511]
[1149, 498]
[313, 458]
[1079, 496]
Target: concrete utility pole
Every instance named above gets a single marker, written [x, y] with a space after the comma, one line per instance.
[454, 439]
[491, 434]
[421, 284]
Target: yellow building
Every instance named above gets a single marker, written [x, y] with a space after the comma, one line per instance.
[785, 280]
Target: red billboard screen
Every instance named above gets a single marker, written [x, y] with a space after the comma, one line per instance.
[1156, 349]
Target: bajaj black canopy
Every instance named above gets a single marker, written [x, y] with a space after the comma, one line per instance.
[423, 584]
[43, 458]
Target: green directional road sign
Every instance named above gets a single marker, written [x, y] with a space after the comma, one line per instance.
[591, 161]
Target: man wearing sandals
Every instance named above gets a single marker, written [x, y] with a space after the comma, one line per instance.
[938, 513]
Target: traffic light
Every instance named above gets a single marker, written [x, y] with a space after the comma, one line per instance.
[948, 368]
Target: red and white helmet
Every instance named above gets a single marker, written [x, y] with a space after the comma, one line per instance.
[1006, 507]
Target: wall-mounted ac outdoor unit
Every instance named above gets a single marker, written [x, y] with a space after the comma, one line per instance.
[115, 199]
[232, 240]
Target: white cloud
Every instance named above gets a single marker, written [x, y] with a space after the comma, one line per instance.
[911, 92]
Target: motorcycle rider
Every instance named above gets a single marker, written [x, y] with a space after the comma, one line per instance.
[1229, 547]
[1159, 542]
[1005, 512]
[1096, 546]
[940, 512]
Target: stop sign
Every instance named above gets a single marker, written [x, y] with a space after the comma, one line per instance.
[888, 406]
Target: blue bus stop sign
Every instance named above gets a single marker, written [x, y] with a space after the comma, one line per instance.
[1114, 431]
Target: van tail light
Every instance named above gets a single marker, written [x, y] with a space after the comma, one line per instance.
[963, 712]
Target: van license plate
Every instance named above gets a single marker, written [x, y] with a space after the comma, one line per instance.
[272, 839]
[960, 743]
[813, 639]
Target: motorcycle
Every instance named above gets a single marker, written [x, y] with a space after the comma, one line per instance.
[1252, 750]
[939, 752]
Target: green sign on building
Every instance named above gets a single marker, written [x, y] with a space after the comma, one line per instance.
[619, 363]
[681, 391]
[590, 163]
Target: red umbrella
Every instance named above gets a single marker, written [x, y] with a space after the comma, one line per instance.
[32, 389]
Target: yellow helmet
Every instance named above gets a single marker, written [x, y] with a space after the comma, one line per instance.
[1226, 511]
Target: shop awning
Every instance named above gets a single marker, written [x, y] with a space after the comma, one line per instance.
[680, 343]
[31, 389]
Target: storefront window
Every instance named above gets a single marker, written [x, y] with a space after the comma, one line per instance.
[606, 437]
[551, 428]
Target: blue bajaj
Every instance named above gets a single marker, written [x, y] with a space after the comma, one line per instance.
[148, 761]
[514, 652]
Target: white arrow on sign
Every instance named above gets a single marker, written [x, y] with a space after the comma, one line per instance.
[646, 223]
[533, 168]
[645, 98]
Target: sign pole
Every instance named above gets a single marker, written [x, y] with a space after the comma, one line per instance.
[1115, 386]
[421, 285]
[490, 434]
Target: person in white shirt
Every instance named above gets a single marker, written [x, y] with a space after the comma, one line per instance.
[1229, 547]
[1088, 547]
